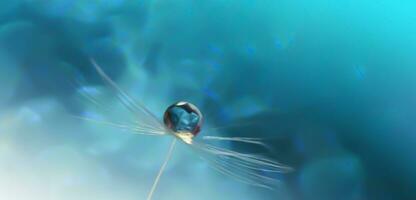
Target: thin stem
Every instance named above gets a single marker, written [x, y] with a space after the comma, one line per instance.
[162, 169]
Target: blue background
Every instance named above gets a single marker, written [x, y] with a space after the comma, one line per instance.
[330, 86]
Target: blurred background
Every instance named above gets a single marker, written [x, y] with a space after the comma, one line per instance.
[330, 86]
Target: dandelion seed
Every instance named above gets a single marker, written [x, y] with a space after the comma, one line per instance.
[183, 121]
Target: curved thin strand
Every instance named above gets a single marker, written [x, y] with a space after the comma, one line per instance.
[80, 88]
[256, 141]
[244, 156]
[136, 130]
[235, 172]
[127, 100]
[251, 169]
[162, 169]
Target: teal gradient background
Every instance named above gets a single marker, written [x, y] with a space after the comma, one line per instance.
[329, 85]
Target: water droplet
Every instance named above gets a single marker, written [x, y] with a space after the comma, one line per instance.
[183, 117]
